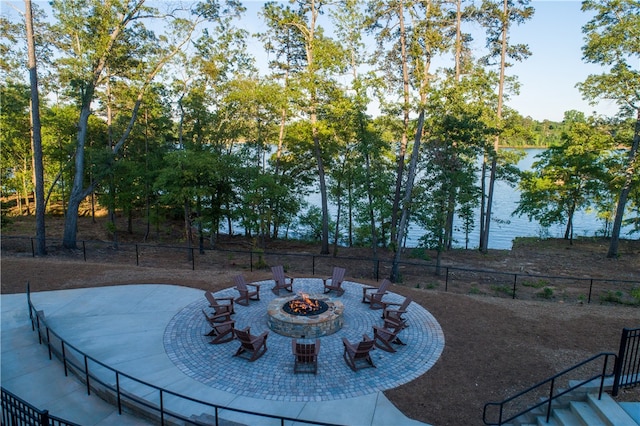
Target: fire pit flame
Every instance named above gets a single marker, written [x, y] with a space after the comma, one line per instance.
[303, 305]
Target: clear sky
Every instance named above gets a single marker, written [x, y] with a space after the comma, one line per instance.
[548, 77]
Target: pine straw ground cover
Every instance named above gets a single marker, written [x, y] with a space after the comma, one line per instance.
[494, 346]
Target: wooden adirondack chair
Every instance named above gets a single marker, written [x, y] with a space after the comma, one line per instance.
[357, 354]
[373, 295]
[282, 280]
[220, 331]
[384, 338]
[336, 281]
[392, 313]
[220, 305]
[305, 356]
[251, 347]
[246, 293]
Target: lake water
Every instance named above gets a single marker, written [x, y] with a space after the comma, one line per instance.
[505, 227]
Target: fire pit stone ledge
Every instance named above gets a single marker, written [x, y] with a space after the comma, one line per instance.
[310, 326]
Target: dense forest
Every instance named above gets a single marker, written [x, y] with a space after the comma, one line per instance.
[159, 110]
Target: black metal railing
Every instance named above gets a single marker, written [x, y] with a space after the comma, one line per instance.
[414, 273]
[80, 363]
[17, 412]
[627, 372]
[545, 392]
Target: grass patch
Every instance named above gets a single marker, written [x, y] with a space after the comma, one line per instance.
[546, 293]
[505, 289]
[535, 284]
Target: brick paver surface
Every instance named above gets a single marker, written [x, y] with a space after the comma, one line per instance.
[271, 377]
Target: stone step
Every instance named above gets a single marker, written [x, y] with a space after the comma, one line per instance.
[542, 421]
[586, 413]
[632, 409]
[609, 410]
[566, 417]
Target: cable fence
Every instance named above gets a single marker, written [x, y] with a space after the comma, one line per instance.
[415, 273]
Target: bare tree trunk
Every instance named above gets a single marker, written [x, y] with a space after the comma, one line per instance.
[484, 243]
[624, 193]
[405, 130]
[36, 135]
[323, 187]
[372, 218]
[407, 197]
[77, 194]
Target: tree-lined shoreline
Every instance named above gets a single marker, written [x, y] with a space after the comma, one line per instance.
[144, 108]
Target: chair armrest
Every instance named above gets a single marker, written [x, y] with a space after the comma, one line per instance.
[255, 285]
[230, 299]
[215, 316]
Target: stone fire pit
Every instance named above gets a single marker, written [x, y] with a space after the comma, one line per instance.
[305, 325]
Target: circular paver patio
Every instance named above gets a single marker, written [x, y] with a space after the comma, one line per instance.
[271, 377]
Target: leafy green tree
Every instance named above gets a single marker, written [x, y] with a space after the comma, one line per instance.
[567, 177]
[498, 17]
[323, 59]
[388, 21]
[286, 44]
[115, 38]
[612, 41]
[15, 160]
[59, 130]
[457, 131]
[36, 132]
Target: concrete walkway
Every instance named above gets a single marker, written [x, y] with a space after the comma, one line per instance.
[136, 330]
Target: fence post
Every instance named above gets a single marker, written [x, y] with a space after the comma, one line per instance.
[137, 256]
[313, 264]
[33, 250]
[251, 260]
[377, 270]
[553, 382]
[49, 342]
[64, 358]
[515, 279]
[84, 251]
[118, 395]
[193, 259]
[44, 417]
[619, 361]
[86, 374]
[446, 279]
[161, 408]
[590, 288]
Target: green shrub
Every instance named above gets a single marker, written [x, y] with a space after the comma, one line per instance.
[474, 290]
[502, 289]
[546, 293]
[535, 284]
[419, 253]
[611, 297]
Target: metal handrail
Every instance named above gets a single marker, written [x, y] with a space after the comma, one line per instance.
[38, 323]
[17, 411]
[551, 382]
